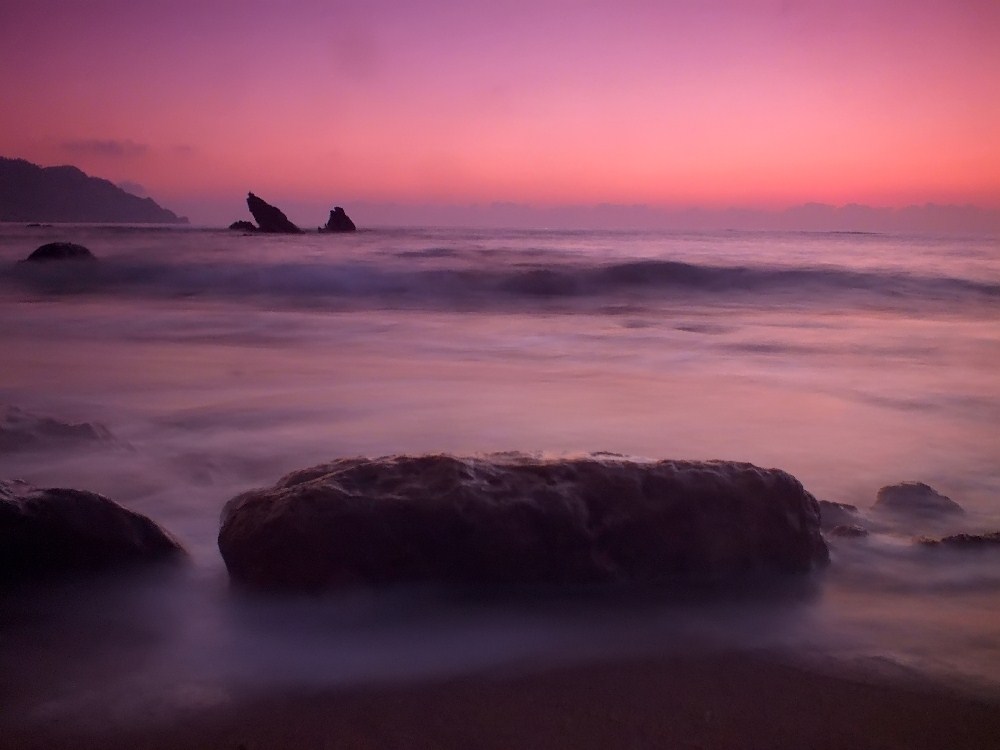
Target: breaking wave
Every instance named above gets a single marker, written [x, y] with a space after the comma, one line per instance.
[369, 283]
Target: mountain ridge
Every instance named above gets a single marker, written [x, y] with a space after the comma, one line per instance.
[29, 192]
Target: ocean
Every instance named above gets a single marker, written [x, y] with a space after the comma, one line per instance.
[219, 361]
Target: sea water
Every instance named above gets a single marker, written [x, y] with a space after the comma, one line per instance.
[220, 361]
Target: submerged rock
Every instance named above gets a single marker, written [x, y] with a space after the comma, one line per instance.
[269, 218]
[848, 530]
[513, 519]
[21, 430]
[965, 541]
[243, 226]
[49, 532]
[915, 499]
[833, 514]
[59, 251]
[339, 221]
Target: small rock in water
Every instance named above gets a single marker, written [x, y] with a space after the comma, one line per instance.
[514, 519]
[339, 221]
[59, 251]
[50, 532]
[915, 498]
[848, 530]
[965, 541]
[833, 514]
[21, 430]
[243, 226]
[270, 218]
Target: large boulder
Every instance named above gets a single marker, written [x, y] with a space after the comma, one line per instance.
[59, 251]
[50, 532]
[513, 519]
[269, 218]
[915, 499]
[339, 221]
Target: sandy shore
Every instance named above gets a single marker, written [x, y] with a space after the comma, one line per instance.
[722, 701]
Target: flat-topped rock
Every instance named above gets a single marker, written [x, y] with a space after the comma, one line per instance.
[515, 519]
[56, 532]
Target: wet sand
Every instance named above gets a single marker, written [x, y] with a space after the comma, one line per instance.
[702, 703]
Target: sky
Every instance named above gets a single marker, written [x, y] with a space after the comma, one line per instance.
[711, 104]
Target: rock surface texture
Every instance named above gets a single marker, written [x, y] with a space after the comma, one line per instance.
[49, 532]
[339, 221]
[915, 499]
[269, 218]
[59, 251]
[514, 519]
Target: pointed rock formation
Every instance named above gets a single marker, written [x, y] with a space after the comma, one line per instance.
[339, 221]
[269, 218]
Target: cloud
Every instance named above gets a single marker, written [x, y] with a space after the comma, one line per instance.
[111, 148]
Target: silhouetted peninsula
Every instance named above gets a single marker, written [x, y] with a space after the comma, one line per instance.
[32, 193]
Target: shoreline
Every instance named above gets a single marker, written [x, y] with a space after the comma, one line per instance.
[710, 702]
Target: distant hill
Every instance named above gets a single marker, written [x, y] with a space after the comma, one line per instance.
[32, 193]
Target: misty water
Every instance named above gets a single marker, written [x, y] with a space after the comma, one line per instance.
[219, 362]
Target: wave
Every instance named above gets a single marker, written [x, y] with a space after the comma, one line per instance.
[394, 282]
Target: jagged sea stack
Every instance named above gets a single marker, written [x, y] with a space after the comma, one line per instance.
[269, 218]
[339, 221]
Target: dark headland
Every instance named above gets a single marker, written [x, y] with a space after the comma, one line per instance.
[32, 193]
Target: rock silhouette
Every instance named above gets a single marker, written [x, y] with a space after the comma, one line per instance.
[243, 226]
[510, 519]
[22, 431]
[339, 221]
[915, 499]
[54, 251]
[52, 532]
[269, 218]
[965, 541]
[838, 514]
[32, 193]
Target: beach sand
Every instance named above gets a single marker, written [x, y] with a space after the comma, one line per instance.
[705, 702]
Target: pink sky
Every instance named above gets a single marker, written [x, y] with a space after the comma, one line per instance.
[742, 103]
